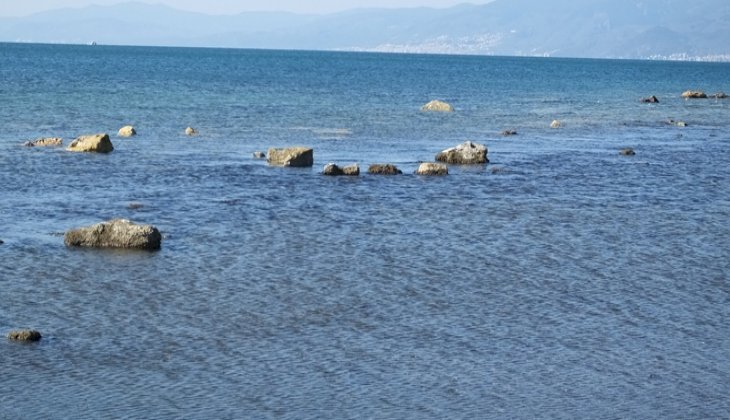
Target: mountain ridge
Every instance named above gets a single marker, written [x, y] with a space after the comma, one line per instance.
[593, 29]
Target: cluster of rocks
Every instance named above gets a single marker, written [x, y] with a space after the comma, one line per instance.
[45, 142]
[698, 94]
[467, 153]
[332, 169]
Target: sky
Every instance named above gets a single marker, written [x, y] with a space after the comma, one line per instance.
[21, 8]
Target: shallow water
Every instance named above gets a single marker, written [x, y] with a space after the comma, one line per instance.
[560, 281]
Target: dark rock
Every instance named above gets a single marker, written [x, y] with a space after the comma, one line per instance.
[719, 95]
[135, 206]
[507, 133]
[384, 169]
[467, 153]
[430, 168]
[24, 335]
[259, 155]
[334, 170]
[627, 152]
[117, 233]
[651, 100]
[291, 156]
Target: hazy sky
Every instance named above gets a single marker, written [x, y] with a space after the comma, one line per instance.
[19, 8]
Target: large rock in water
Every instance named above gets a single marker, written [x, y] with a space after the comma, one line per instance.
[98, 143]
[430, 168]
[117, 233]
[437, 106]
[44, 142]
[467, 153]
[291, 156]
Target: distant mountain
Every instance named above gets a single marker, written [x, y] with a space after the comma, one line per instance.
[685, 29]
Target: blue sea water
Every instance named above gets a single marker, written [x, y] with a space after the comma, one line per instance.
[561, 280]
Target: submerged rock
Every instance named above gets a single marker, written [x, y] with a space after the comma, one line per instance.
[334, 170]
[677, 123]
[291, 156]
[98, 143]
[627, 152]
[190, 131]
[499, 170]
[437, 106]
[507, 133]
[556, 124]
[127, 131]
[431, 168]
[719, 95]
[117, 233]
[24, 335]
[259, 155]
[694, 94]
[651, 100]
[383, 169]
[44, 142]
[467, 153]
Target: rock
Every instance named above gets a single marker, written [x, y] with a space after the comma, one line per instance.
[384, 169]
[24, 335]
[627, 152]
[259, 155]
[719, 95]
[508, 133]
[651, 100]
[430, 168]
[467, 153]
[694, 94]
[677, 123]
[127, 131]
[190, 131]
[499, 170]
[1, 242]
[45, 142]
[98, 143]
[556, 124]
[334, 170]
[437, 106]
[291, 156]
[117, 233]
[134, 206]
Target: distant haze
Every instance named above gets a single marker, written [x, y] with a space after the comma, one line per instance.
[222, 7]
[660, 29]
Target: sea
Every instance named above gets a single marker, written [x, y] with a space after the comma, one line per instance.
[561, 280]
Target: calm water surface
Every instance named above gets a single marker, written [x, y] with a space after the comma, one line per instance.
[559, 281]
